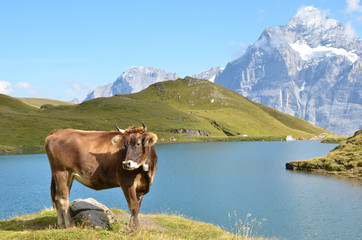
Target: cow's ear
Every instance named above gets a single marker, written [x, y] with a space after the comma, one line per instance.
[118, 141]
[150, 139]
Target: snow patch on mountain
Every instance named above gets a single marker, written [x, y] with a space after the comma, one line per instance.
[308, 53]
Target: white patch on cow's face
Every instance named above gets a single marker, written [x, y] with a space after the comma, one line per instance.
[130, 165]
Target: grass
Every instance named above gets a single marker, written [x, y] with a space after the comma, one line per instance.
[190, 104]
[38, 102]
[334, 140]
[42, 225]
[345, 160]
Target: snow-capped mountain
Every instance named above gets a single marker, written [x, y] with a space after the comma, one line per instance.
[132, 80]
[209, 74]
[310, 68]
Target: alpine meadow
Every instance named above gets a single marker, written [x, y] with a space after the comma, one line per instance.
[184, 110]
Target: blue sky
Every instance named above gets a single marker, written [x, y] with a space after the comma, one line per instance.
[64, 49]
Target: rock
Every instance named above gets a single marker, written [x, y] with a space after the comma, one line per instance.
[289, 166]
[92, 212]
[190, 132]
[319, 137]
[289, 138]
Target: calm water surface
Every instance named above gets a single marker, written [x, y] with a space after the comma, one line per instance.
[211, 182]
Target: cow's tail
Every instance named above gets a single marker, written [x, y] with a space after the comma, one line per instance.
[53, 191]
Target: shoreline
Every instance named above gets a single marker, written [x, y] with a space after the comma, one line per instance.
[346, 176]
[20, 151]
[35, 150]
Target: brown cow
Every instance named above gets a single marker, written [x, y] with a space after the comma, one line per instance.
[101, 160]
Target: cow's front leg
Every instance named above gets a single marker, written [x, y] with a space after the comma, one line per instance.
[139, 198]
[133, 206]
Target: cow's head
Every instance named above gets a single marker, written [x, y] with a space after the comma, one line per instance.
[137, 142]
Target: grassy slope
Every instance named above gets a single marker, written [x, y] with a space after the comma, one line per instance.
[344, 160]
[38, 102]
[43, 226]
[181, 104]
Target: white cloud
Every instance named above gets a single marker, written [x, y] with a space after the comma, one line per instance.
[349, 30]
[5, 87]
[235, 43]
[72, 85]
[76, 90]
[23, 85]
[261, 15]
[359, 19]
[237, 48]
[353, 6]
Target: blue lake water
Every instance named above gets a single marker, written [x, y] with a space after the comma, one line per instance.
[211, 182]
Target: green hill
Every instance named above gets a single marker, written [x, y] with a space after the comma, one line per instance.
[186, 109]
[344, 160]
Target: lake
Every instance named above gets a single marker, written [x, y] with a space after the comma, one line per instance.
[213, 182]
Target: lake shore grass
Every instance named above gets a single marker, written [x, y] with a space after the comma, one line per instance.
[42, 225]
[344, 161]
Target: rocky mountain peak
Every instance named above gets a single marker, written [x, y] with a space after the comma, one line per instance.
[132, 80]
[309, 68]
[311, 17]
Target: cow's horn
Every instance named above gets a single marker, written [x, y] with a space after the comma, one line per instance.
[121, 130]
[144, 126]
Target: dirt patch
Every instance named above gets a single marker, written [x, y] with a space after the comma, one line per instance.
[144, 222]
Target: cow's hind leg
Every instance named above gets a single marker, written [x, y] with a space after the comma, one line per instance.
[62, 199]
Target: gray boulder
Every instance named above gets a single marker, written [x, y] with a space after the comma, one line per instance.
[92, 212]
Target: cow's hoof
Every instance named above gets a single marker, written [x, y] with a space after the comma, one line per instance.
[61, 226]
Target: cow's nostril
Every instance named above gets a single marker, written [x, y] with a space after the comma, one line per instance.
[127, 164]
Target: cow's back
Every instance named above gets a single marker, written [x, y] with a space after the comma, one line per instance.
[63, 150]
[88, 155]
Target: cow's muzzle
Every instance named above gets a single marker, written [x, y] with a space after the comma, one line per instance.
[131, 165]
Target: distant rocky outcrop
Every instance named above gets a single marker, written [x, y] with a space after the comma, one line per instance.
[310, 68]
[209, 74]
[92, 212]
[75, 100]
[190, 132]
